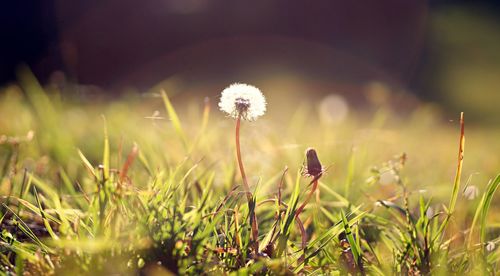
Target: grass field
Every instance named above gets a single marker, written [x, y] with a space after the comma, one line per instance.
[151, 185]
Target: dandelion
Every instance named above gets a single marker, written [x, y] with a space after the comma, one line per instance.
[243, 101]
[313, 169]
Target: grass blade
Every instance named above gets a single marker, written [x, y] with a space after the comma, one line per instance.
[456, 182]
[488, 197]
[105, 155]
[174, 118]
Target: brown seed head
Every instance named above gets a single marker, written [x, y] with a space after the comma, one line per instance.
[241, 107]
[314, 167]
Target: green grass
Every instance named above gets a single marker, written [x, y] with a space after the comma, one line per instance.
[100, 187]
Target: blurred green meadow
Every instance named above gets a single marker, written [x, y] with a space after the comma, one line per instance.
[148, 183]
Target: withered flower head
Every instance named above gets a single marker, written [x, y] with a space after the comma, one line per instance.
[313, 167]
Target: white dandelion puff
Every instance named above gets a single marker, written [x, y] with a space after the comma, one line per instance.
[243, 100]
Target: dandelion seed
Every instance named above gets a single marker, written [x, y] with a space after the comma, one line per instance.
[471, 192]
[430, 213]
[155, 116]
[490, 246]
[243, 100]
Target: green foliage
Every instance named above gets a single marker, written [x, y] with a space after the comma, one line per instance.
[71, 204]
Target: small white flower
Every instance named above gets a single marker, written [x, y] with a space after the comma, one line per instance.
[471, 192]
[243, 100]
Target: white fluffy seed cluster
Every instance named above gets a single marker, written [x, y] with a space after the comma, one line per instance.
[243, 100]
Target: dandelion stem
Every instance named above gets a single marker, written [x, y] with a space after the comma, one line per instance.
[240, 162]
[299, 210]
[313, 189]
[251, 205]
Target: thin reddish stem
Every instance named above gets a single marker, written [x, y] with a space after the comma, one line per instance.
[313, 189]
[253, 217]
[240, 162]
[304, 238]
[299, 210]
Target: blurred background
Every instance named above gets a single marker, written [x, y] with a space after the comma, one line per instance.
[388, 50]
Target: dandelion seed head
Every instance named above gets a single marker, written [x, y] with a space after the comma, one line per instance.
[243, 100]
